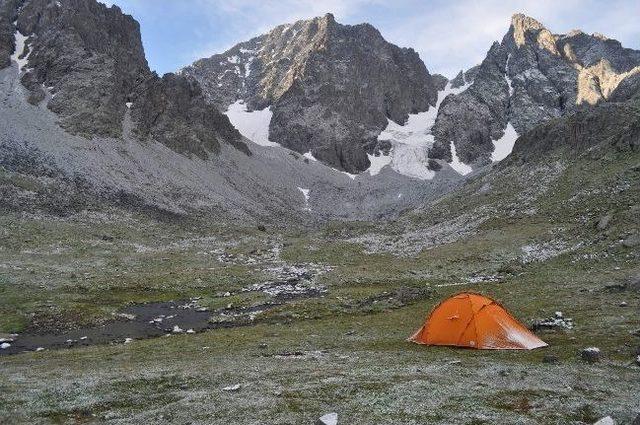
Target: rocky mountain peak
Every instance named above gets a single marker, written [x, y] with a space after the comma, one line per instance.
[331, 88]
[521, 25]
[85, 62]
[528, 78]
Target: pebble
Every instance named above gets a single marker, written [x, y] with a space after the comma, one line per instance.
[605, 421]
[328, 419]
[235, 387]
[4, 346]
[177, 329]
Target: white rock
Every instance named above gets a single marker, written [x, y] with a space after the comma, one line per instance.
[559, 314]
[83, 338]
[4, 346]
[40, 349]
[605, 421]
[128, 340]
[177, 329]
[328, 419]
[190, 331]
[235, 387]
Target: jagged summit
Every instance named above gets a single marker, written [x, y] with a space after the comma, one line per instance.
[528, 78]
[331, 87]
[85, 62]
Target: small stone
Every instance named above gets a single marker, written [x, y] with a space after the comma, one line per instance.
[603, 223]
[591, 354]
[4, 346]
[227, 294]
[605, 421]
[632, 241]
[40, 349]
[83, 338]
[559, 314]
[177, 329]
[128, 340]
[232, 388]
[328, 419]
[190, 331]
[623, 304]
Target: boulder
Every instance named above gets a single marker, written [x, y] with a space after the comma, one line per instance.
[591, 354]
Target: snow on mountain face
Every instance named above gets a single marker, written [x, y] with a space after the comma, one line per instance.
[504, 145]
[252, 125]
[20, 41]
[410, 142]
[528, 78]
[331, 87]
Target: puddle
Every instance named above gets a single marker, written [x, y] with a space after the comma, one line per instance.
[135, 322]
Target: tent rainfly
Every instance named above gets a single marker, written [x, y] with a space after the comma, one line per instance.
[475, 321]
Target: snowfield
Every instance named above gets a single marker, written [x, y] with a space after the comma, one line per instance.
[412, 140]
[253, 125]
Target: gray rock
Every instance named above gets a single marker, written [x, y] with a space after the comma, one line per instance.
[604, 221]
[605, 421]
[87, 62]
[632, 241]
[173, 111]
[591, 355]
[532, 76]
[331, 87]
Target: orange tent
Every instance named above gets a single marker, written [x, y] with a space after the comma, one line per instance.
[475, 321]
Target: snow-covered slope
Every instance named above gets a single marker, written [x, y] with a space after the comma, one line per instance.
[411, 141]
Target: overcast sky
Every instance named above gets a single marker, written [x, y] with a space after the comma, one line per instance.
[449, 35]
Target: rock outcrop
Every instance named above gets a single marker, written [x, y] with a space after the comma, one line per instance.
[87, 62]
[331, 87]
[532, 76]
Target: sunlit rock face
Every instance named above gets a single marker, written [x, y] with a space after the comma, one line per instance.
[331, 88]
[530, 77]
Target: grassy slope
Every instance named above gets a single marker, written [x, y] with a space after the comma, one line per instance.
[65, 273]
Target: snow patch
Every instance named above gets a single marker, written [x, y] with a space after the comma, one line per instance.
[252, 125]
[459, 166]
[309, 156]
[504, 145]
[378, 163]
[20, 41]
[305, 193]
[506, 76]
[412, 140]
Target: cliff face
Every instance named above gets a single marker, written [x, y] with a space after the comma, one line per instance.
[532, 76]
[331, 87]
[87, 63]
